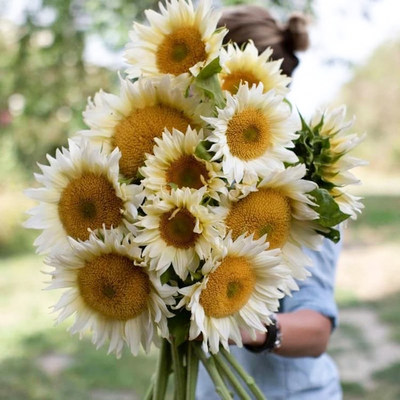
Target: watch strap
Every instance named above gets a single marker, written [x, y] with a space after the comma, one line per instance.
[273, 339]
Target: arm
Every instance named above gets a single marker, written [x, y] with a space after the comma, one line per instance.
[305, 333]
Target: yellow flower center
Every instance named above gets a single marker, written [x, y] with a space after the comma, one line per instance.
[232, 81]
[114, 287]
[248, 134]
[89, 202]
[135, 134]
[228, 288]
[180, 50]
[187, 171]
[176, 228]
[267, 211]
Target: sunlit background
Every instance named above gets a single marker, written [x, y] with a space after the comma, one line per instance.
[54, 54]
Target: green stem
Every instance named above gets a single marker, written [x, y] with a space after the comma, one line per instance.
[211, 368]
[249, 380]
[179, 371]
[223, 377]
[192, 371]
[162, 372]
[234, 381]
[149, 393]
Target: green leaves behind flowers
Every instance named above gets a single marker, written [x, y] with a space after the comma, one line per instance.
[202, 150]
[314, 150]
[207, 81]
[329, 214]
[179, 326]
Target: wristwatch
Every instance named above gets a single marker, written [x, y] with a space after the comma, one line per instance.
[272, 341]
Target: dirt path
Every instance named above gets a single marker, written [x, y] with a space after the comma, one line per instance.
[362, 345]
[370, 272]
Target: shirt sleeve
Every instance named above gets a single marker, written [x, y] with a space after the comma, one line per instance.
[317, 291]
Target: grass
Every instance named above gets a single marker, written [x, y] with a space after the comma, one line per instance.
[356, 335]
[23, 377]
[390, 375]
[346, 298]
[380, 220]
[386, 381]
[389, 312]
[353, 389]
[381, 392]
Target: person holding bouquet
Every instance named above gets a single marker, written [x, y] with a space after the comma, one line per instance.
[191, 208]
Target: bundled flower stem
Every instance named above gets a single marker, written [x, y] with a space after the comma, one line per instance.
[162, 372]
[192, 370]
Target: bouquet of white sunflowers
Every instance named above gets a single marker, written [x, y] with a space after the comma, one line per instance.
[180, 215]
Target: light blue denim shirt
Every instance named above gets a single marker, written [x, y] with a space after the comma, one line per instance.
[302, 378]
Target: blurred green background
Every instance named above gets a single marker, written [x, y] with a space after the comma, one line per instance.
[46, 77]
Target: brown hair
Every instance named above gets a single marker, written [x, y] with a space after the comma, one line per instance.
[254, 22]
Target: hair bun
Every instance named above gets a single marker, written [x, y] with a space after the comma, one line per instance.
[297, 31]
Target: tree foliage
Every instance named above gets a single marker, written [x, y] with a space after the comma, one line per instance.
[373, 95]
[281, 7]
[45, 78]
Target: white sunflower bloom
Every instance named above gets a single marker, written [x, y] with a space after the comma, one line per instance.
[242, 189]
[80, 192]
[132, 120]
[253, 133]
[179, 40]
[241, 288]
[341, 143]
[280, 208]
[347, 202]
[178, 230]
[241, 66]
[174, 162]
[111, 293]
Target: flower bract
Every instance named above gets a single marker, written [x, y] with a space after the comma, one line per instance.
[336, 161]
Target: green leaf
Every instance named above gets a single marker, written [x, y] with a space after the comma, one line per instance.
[168, 276]
[211, 69]
[202, 151]
[127, 181]
[211, 89]
[285, 100]
[195, 277]
[208, 82]
[327, 208]
[332, 234]
[318, 127]
[179, 326]
[304, 125]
